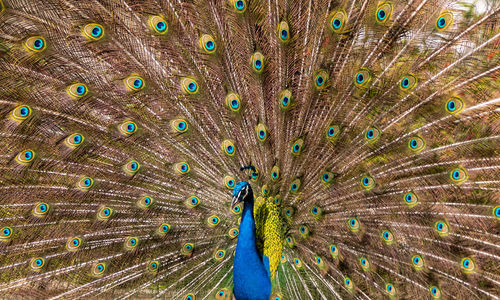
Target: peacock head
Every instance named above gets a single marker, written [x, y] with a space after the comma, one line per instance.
[242, 192]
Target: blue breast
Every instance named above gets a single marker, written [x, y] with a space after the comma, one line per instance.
[250, 277]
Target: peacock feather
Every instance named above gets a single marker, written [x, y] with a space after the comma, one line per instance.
[368, 132]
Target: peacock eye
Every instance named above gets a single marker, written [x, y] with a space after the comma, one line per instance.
[127, 128]
[408, 82]
[257, 61]
[163, 229]
[228, 182]
[74, 140]
[240, 5]
[295, 186]
[417, 262]
[496, 212]
[182, 168]
[468, 265]
[372, 134]
[93, 31]
[213, 221]
[334, 251]
[435, 292]
[410, 199]
[158, 24]
[131, 243]
[348, 283]
[297, 147]
[261, 132]
[153, 266]
[179, 125]
[228, 147]
[37, 263]
[77, 90]
[367, 183]
[365, 264]
[189, 86]
[145, 202]
[458, 175]
[233, 102]
[390, 290]
[285, 99]
[444, 20]
[187, 248]
[25, 157]
[35, 44]
[73, 244]
[283, 31]
[454, 105]
[219, 255]
[384, 12]
[233, 232]
[40, 209]
[207, 43]
[363, 77]
[20, 113]
[416, 144]
[337, 20]
[332, 132]
[6, 233]
[353, 225]
[131, 167]
[134, 83]
[320, 79]
[387, 237]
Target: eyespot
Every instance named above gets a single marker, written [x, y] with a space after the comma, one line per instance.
[348, 283]
[454, 105]
[257, 62]
[189, 86]
[74, 141]
[289, 211]
[353, 225]
[192, 202]
[223, 294]
[131, 243]
[442, 228]
[213, 221]
[372, 134]
[6, 233]
[327, 177]
[179, 125]
[187, 248]
[387, 237]
[444, 20]
[320, 262]
[332, 132]
[410, 199]
[458, 175]
[367, 182]
[320, 79]
[37, 263]
[285, 100]
[74, 243]
[41, 209]
[105, 213]
[275, 173]
[496, 212]
[229, 182]
[127, 128]
[228, 147]
[416, 144]
[468, 266]
[283, 259]
[182, 168]
[261, 132]
[290, 241]
[20, 113]
[390, 290]
[233, 102]
[264, 190]
[93, 31]
[337, 20]
[207, 43]
[85, 183]
[417, 262]
[158, 24]
[77, 90]
[25, 157]
[233, 232]
[98, 269]
[153, 266]
[131, 167]
[435, 292]
[145, 202]
[283, 31]
[304, 231]
[295, 186]
[408, 82]
[239, 5]
[35, 44]
[297, 262]
[219, 255]
[237, 209]
[364, 263]
[384, 12]
[316, 212]
[363, 77]
[334, 251]
[134, 83]
[297, 147]
[163, 229]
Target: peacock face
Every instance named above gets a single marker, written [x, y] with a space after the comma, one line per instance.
[241, 192]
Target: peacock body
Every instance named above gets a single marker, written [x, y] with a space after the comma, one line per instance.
[371, 129]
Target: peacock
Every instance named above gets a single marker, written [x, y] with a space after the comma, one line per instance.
[249, 149]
